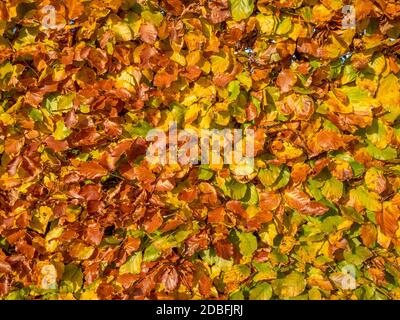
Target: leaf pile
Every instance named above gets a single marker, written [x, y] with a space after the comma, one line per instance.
[83, 215]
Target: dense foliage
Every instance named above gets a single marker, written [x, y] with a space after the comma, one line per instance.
[83, 215]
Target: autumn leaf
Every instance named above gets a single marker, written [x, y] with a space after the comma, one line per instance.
[387, 218]
[241, 9]
[148, 33]
[88, 212]
[91, 170]
[301, 202]
[286, 80]
[75, 9]
[290, 286]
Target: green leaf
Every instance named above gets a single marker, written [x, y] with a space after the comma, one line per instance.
[65, 103]
[40, 219]
[247, 243]
[26, 36]
[269, 175]
[330, 224]
[36, 115]
[265, 271]
[349, 74]
[140, 129]
[127, 79]
[122, 31]
[262, 291]
[234, 89]
[239, 272]
[156, 18]
[267, 23]
[56, 103]
[358, 168]
[219, 64]
[358, 257]
[251, 197]
[61, 132]
[360, 100]
[274, 177]
[236, 190]
[283, 178]
[388, 153]
[6, 70]
[72, 278]
[151, 254]
[205, 174]
[377, 134]
[315, 188]
[209, 256]
[245, 80]
[178, 113]
[84, 108]
[352, 214]
[333, 189]
[237, 295]
[241, 9]
[290, 286]
[20, 294]
[133, 264]
[284, 26]
[389, 95]
[369, 200]
[335, 69]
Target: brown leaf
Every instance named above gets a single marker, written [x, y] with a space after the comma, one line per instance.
[269, 200]
[5, 267]
[368, 234]
[75, 9]
[169, 278]
[301, 202]
[196, 243]
[132, 244]
[286, 80]
[218, 16]
[153, 223]
[387, 219]
[56, 145]
[251, 112]
[91, 192]
[98, 59]
[172, 224]
[188, 195]
[224, 249]
[148, 33]
[258, 220]
[91, 170]
[217, 215]
[166, 76]
[205, 285]
[12, 146]
[237, 208]
[94, 233]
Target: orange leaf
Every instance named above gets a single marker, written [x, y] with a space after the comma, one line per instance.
[148, 33]
[286, 80]
[387, 219]
[301, 202]
[75, 8]
[91, 170]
